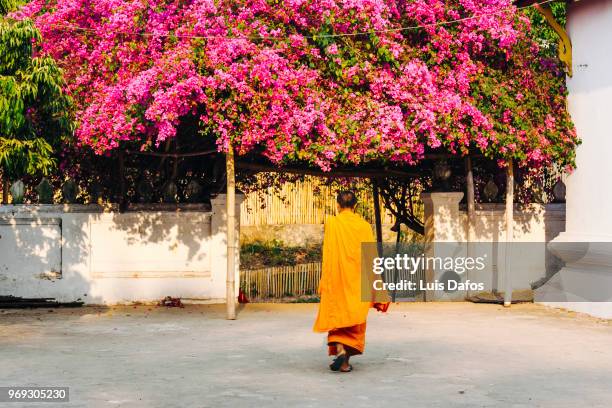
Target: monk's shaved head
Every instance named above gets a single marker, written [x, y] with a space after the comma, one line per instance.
[346, 199]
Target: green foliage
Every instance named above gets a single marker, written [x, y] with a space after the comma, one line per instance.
[306, 299]
[33, 156]
[6, 6]
[261, 254]
[34, 111]
[541, 31]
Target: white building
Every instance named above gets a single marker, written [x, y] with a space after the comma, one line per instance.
[585, 284]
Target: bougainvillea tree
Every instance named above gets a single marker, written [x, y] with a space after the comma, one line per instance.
[321, 82]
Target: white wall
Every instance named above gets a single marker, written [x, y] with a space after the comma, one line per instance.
[534, 226]
[101, 256]
[589, 194]
[585, 283]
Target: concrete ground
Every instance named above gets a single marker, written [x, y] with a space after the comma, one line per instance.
[418, 355]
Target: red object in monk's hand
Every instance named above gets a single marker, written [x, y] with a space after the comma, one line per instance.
[381, 307]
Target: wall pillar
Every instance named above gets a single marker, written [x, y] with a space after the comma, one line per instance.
[442, 210]
[218, 258]
[444, 225]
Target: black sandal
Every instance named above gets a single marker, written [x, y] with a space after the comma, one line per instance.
[338, 361]
[348, 370]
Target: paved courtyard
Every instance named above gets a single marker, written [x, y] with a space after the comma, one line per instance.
[418, 355]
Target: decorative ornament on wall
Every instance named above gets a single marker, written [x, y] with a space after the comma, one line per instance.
[559, 191]
[170, 191]
[441, 170]
[490, 190]
[69, 191]
[145, 191]
[45, 191]
[441, 174]
[193, 191]
[18, 192]
[97, 194]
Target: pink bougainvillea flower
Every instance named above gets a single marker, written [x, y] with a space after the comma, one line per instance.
[325, 82]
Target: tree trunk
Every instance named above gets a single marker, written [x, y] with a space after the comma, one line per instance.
[377, 217]
[5, 189]
[231, 235]
[471, 209]
[509, 233]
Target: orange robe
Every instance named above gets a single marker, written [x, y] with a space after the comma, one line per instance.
[342, 313]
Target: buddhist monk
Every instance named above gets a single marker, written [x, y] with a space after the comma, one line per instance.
[342, 311]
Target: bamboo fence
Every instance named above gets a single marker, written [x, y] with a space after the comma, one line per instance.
[302, 202]
[279, 282]
[276, 283]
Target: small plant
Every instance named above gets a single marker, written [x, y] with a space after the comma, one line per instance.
[261, 254]
[306, 299]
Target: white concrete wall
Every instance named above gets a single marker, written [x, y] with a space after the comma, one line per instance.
[534, 226]
[103, 257]
[589, 195]
[585, 284]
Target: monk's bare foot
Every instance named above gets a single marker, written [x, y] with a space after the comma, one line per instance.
[340, 349]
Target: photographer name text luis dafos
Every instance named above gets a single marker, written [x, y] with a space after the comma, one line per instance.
[413, 264]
